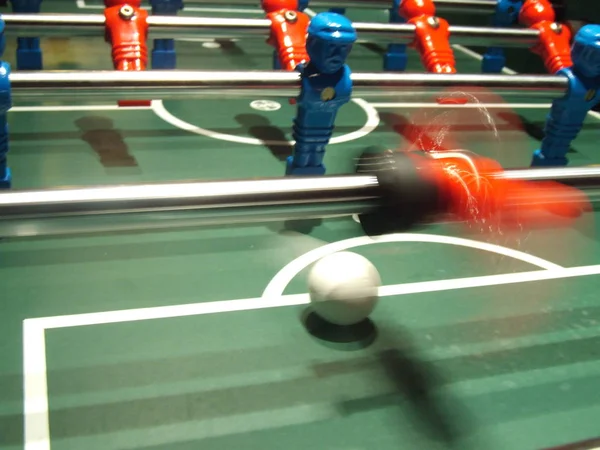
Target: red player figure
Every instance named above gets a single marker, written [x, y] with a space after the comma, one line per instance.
[431, 35]
[555, 40]
[288, 32]
[127, 32]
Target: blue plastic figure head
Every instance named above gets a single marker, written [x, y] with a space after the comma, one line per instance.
[586, 51]
[329, 41]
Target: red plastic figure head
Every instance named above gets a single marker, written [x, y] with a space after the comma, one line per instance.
[535, 11]
[270, 6]
[413, 8]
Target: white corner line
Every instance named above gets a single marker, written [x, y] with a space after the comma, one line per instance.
[35, 387]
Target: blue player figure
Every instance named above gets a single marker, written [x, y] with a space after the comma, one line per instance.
[325, 87]
[303, 4]
[395, 59]
[5, 105]
[567, 114]
[505, 16]
[163, 53]
[29, 52]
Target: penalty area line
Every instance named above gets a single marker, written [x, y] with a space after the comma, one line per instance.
[35, 381]
[215, 307]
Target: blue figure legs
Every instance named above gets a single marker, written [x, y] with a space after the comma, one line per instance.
[568, 113]
[395, 59]
[5, 105]
[506, 15]
[303, 4]
[312, 131]
[29, 52]
[163, 52]
[326, 87]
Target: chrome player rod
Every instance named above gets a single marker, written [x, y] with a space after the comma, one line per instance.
[153, 206]
[147, 85]
[191, 27]
[442, 6]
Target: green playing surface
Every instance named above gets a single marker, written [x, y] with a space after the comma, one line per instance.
[167, 340]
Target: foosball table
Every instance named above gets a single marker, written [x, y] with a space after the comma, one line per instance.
[287, 224]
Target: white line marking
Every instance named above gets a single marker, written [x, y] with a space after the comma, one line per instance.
[595, 115]
[371, 124]
[35, 387]
[280, 282]
[60, 108]
[168, 312]
[251, 304]
[465, 106]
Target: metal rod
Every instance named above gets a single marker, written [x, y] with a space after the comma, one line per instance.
[442, 6]
[75, 85]
[190, 27]
[56, 211]
[178, 205]
[579, 177]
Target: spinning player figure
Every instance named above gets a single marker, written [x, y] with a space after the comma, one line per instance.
[5, 105]
[431, 35]
[29, 53]
[568, 113]
[288, 33]
[127, 31]
[163, 53]
[326, 86]
[554, 45]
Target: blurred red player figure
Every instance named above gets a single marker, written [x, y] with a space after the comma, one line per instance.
[476, 192]
[431, 35]
[127, 32]
[554, 45]
[288, 32]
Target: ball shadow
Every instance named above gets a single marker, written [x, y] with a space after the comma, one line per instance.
[340, 337]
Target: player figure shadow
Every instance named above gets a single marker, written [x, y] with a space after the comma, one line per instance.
[106, 141]
[416, 387]
[533, 129]
[374, 47]
[235, 53]
[274, 138]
